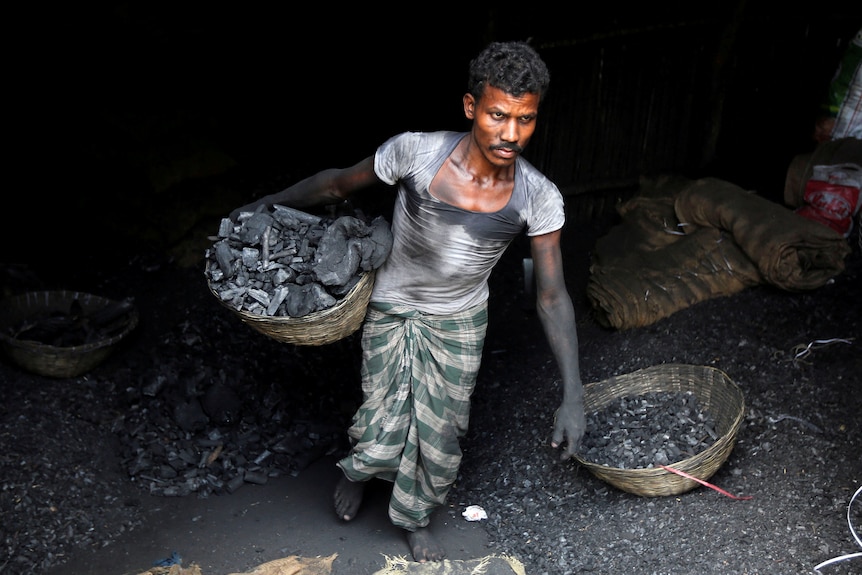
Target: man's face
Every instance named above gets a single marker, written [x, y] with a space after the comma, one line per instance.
[502, 123]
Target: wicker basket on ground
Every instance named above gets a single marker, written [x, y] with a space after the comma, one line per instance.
[56, 360]
[717, 394]
[317, 328]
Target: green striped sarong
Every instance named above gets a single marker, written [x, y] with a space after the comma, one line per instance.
[418, 372]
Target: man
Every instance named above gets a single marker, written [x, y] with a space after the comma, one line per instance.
[462, 198]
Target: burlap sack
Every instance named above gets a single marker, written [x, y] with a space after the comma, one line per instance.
[490, 565]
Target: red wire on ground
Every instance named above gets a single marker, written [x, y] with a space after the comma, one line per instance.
[702, 482]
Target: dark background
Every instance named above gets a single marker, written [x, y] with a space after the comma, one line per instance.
[126, 117]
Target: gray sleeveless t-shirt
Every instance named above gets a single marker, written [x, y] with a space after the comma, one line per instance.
[442, 255]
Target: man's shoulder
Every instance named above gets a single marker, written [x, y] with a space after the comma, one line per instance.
[532, 175]
[430, 139]
[413, 153]
[420, 144]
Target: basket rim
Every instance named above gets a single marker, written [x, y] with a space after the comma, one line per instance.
[131, 322]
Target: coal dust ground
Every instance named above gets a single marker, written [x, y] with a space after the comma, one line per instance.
[65, 486]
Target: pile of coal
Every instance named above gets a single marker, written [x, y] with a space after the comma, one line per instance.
[285, 262]
[642, 432]
[195, 418]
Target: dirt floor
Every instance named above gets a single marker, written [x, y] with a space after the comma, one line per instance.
[71, 505]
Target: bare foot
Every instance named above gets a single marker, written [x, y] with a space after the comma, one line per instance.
[348, 497]
[424, 546]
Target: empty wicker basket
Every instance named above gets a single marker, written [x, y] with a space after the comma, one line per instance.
[55, 360]
[317, 328]
[717, 395]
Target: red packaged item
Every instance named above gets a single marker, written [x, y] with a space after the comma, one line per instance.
[832, 196]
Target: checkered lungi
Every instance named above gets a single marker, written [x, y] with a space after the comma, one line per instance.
[418, 372]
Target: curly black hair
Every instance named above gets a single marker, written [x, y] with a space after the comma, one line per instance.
[514, 67]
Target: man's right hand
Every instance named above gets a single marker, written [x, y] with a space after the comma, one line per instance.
[252, 207]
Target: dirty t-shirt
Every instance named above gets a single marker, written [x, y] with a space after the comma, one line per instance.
[442, 255]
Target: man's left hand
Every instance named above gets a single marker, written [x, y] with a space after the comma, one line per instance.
[569, 425]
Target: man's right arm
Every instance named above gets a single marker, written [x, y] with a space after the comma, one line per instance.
[329, 186]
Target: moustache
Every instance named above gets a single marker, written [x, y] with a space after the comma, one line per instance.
[509, 146]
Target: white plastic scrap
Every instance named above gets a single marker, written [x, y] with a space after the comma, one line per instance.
[852, 531]
[803, 351]
[474, 513]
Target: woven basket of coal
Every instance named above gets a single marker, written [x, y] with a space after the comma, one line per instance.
[299, 278]
[63, 333]
[683, 417]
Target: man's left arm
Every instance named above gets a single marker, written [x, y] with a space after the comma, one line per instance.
[557, 315]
